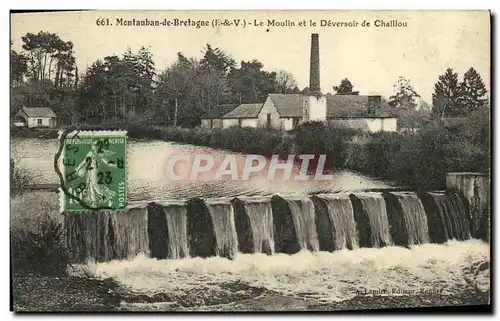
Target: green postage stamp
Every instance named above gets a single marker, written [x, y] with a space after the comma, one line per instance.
[91, 166]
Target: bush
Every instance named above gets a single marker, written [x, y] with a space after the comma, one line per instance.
[20, 179]
[43, 251]
[38, 243]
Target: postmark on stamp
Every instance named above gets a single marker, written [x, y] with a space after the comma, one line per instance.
[91, 166]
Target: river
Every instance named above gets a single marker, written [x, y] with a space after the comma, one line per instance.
[147, 179]
[317, 277]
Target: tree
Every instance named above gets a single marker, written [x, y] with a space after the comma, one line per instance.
[250, 83]
[216, 59]
[18, 68]
[181, 91]
[42, 50]
[285, 82]
[472, 92]
[446, 96]
[404, 95]
[345, 88]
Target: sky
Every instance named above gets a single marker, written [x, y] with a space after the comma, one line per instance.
[371, 57]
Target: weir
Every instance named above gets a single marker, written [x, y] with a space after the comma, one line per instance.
[453, 215]
[407, 218]
[222, 214]
[301, 211]
[337, 230]
[371, 216]
[254, 224]
[176, 229]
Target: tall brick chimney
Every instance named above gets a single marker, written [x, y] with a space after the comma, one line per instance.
[314, 85]
[314, 102]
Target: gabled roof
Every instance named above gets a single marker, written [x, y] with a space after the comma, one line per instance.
[219, 111]
[244, 111]
[353, 106]
[39, 112]
[288, 105]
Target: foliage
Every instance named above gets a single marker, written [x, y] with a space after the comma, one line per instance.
[250, 83]
[454, 99]
[285, 82]
[37, 235]
[20, 179]
[42, 251]
[345, 88]
[472, 91]
[118, 88]
[446, 96]
[49, 57]
[404, 95]
[18, 69]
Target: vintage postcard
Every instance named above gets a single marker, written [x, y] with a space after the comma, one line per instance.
[250, 160]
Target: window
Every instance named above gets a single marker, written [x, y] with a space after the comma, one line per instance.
[240, 122]
[268, 120]
[39, 121]
[295, 122]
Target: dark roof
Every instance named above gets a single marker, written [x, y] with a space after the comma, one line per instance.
[38, 112]
[354, 106]
[18, 118]
[288, 105]
[244, 111]
[219, 111]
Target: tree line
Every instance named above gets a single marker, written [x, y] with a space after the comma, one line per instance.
[129, 87]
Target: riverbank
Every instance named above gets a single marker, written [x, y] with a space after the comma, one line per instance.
[33, 293]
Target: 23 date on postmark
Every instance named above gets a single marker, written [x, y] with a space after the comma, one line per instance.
[91, 166]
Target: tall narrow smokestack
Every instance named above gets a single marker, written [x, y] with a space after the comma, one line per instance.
[314, 86]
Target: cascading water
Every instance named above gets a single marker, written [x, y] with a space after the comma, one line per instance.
[376, 214]
[260, 215]
[341, 214]
[222, 215]
[176, 216]
[453, 215]
[303, 216]
[414, 217]
[89, 236]
[130, 231]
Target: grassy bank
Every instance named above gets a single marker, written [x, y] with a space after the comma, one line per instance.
[39, 261]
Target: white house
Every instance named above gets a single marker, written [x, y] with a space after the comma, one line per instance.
[245, 115]
[367, 113]
[287, 111]
[35, 117]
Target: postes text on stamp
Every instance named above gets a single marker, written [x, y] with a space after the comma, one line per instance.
[92, 169]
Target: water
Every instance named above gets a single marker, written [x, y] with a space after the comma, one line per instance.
[177, 231]
[341, 214]
[147, 178]
[260, 215]
[130, 232]
[375, 211]
[222, 214]
[453, 214]
[303, 216]
[320, 276]
[414, 217]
